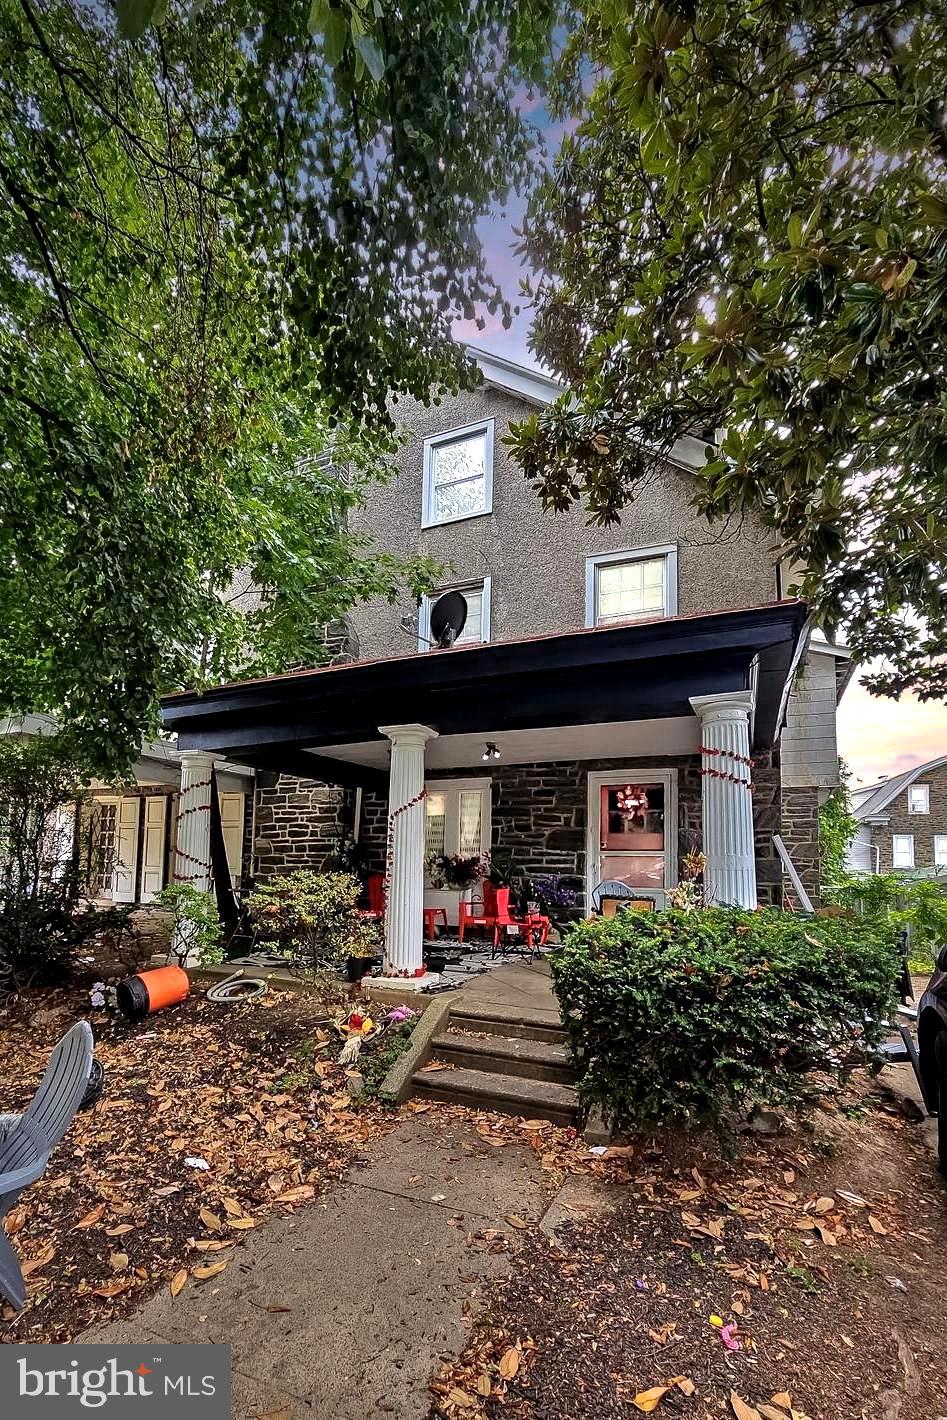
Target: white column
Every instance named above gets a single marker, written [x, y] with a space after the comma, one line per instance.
[192, 833]
[404, 922]
[727, 801]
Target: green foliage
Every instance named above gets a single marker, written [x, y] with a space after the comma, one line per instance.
[314, 916]
[906, 902]
[195, 924]
[44, 920]
[227, 246]
[378, 1057]
[748, 231]
[837, 827]
[682, 1016]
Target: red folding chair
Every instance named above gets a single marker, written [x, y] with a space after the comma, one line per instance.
[486, 918]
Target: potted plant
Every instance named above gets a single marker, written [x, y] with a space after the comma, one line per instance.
[451, 877]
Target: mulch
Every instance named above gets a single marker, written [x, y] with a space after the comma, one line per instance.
[212, 1119]
[818, 1255]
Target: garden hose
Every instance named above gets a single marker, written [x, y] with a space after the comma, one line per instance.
[237, 988]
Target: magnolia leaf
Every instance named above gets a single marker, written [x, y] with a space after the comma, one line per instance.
[90, 1219]
[740, 1408]
[178, 1281]
[509, 1363]
[211, 1270]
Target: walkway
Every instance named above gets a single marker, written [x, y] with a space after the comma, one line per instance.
[369, 1285]
[521, 987]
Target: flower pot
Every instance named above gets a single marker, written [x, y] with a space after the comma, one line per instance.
[436, 961]
[357, 967]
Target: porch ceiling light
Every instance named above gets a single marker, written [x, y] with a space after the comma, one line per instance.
[490, 751]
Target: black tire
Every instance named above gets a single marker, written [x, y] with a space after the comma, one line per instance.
[940, 1067]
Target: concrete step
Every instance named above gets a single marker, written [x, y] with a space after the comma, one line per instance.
[496, 1020]
[505, 1055]
[507, 1094]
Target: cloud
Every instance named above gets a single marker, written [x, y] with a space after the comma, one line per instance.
[882, 737]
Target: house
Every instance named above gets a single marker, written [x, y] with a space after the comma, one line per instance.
[617, 697]
[902, 821]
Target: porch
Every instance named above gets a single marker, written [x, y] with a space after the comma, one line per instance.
[684, 708]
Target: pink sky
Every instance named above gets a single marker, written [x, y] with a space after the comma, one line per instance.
[882, 737]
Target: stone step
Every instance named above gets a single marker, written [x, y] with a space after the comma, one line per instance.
[495, 1020]
[506, 1094]
[505, 1055]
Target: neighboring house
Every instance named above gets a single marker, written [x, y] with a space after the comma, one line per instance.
[618, 696]
[902, 822]
[125, 834]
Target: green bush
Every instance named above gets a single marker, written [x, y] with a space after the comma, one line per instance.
[677, 1016]
[195, 924]
[314, 916]
[916, 904]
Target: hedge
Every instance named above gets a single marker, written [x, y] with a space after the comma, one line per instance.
[682, 1016]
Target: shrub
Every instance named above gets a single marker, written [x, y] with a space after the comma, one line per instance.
[195, 924]
[44, 920]
[314, 916]
[682, 1016]
[917, 905]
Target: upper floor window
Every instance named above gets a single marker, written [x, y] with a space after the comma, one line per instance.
[630, 586]
[458, 474]
[919, 799]
[477, 625]
[902, 850]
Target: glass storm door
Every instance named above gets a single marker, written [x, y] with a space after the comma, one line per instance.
[632, 842]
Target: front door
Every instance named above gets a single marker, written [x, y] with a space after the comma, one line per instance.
[126, 850]
[633, 834]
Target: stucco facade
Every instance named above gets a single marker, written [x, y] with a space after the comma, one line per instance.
[536, 559]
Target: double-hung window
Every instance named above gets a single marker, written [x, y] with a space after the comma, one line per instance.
[457, 818]
[458, 474]
[902, 850]
[634, 585]
[940, 850]
[477, 625]
[919, 799]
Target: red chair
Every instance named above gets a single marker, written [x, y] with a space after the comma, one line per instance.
[526, 928]
[486, 919]
[375, 889]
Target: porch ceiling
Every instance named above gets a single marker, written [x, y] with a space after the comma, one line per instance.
[324, 722]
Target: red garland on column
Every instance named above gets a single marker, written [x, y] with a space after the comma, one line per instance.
[723, 773]
[389, 850]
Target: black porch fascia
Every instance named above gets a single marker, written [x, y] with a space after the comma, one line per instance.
[644, 670]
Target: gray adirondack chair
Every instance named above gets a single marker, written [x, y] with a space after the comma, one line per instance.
[28, 1139]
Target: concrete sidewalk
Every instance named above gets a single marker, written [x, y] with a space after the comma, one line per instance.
[375, 1278]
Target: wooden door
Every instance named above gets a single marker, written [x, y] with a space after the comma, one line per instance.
[152, 847]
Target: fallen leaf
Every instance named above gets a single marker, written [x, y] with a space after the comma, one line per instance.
[232, 1207]
[740, 1408]
[509, 1363]
[35, 1263]
[210, 1220]
[460, 1397]
[242, 1223]
[90, 1219]
[827, 1237]
[178, 1281]
[515, 1221]
[685, 1385]
[782, 1398]
[112, 1289]
[211, 1270]
[292, 1195]
[823, 1205]
[120, 1230]
[118, 1261]
[772, 1412]
[484, 1384]
[648, 1400]
[876, 1225]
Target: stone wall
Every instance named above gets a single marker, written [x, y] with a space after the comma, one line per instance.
[298, 825]
[539, 815]
[800, 833]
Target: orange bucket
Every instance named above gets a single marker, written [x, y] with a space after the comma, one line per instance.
[149, 991]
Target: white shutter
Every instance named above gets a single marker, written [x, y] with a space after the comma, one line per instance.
[126, 850]
[231, 823]
[152, 847]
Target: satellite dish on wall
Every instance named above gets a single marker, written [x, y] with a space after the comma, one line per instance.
[448, 618]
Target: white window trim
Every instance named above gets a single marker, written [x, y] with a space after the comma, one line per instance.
[597, 778]
[448, 436]
[482, 783]
[632, 554]
[909, 839]
[927, 805]
[940, 838]
[481, 584]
